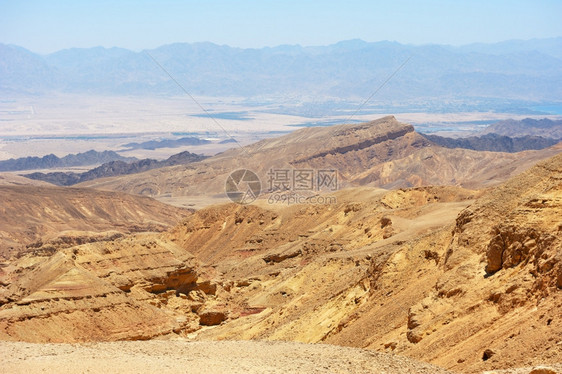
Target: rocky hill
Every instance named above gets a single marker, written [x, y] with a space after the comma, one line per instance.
[545, 128]
[382, 153]
[40, 216]
[114, 168]
[108, 290]
[117, 284]
[51, 161]
[10, 179]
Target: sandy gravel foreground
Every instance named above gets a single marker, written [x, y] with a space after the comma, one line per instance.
[200, 357]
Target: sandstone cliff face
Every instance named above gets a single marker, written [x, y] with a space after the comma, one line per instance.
[523, 224]
[136, 287]
[499, 287]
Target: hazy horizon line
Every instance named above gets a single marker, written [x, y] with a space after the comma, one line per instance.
[285, 44]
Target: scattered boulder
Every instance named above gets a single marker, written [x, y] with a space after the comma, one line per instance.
[391, 345]
[488, 353]
[211, 317]
[387, 232]
[197, 296]
[413, 335]
[494, 254]
[385, 221]
[207, 287]
[283, 255]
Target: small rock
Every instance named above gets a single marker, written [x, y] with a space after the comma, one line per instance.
[196, 295]
[392, 345]
[208, 287]
[243, 283]
[414, 336]
[488, 353]
[387, 232]
[211, 317]
[385, 221]
[431, 255]
[494, 253]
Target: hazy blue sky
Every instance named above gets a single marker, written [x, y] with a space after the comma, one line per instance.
[45, 26]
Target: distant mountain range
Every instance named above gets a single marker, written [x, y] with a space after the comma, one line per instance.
[51, 161]
[494, 142]
[114, 168]
[545, 128]
[508, 136]
[515, 70]
[166, 143]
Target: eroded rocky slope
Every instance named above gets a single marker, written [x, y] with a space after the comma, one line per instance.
[125, 289]
[34, 216]
[466, 280]
[474, 293]
[84, 290]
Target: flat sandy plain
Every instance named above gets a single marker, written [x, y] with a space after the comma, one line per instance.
[64, 124]
[178, 356]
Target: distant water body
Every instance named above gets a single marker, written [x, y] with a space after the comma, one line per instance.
[549, 109]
